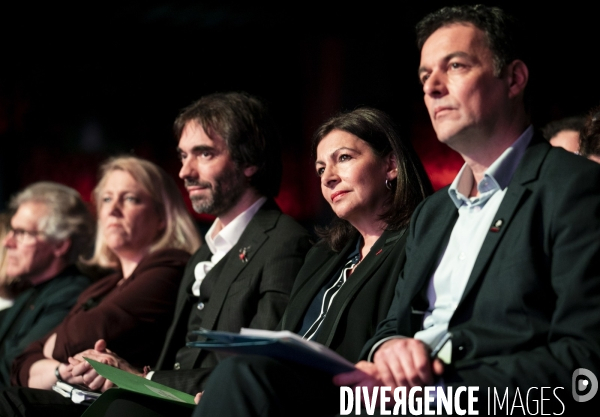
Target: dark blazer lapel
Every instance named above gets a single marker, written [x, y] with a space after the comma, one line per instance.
[203, 254]
[436, 221]
[180, 320]
[378, 253]
[252, 239]
[438, 227]
[312, 278]
[516, 193]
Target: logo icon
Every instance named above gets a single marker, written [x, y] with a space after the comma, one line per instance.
[585, 385]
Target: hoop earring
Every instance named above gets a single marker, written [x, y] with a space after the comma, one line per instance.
[388, 184]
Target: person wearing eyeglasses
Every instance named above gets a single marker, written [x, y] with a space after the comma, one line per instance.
[50, 229]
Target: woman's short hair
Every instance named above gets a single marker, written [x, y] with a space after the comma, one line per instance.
[412, 185]
[179, 231]
[68, 217]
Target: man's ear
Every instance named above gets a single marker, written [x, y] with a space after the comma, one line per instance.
[61, 248]
[517, 75]
[250, 171]
[391, 167]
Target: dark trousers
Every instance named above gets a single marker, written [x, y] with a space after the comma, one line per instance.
[259, 386]
[26, 402]
[29, 402]
[131, 404]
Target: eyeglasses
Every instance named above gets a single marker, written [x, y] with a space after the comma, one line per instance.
[24, 237]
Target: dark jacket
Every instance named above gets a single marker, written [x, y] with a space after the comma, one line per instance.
[132, 317]
[249, 292]
[530, 312]
[362, 302]
[34, 313]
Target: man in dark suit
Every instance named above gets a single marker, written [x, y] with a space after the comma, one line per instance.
[50, 229]
[242, 277]
[506, 257]
[231, 168]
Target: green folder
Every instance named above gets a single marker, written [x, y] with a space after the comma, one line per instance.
[133, 383]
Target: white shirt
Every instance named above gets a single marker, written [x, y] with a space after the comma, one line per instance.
[5, 303]
[223, 242]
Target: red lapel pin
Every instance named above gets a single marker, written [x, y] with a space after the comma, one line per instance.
[243, 254]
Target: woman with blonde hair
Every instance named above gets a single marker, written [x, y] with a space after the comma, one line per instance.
[179, 230]
[145, 233]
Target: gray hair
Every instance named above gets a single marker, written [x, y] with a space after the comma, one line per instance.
[68, 217]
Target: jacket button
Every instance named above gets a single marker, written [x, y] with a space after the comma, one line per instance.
[177, 366]
[200, 306]
[459, 353]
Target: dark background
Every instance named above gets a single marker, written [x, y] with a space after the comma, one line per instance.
[80, 83]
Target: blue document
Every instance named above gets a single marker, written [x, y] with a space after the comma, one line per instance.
[282, 345]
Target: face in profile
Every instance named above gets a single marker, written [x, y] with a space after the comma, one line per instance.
[28, 251]
[462, 94]
[127, 215]
[214, 183]
[353, 177]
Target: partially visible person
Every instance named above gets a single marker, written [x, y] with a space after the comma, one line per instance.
[590, 137]
[565, 133]
[6, 293]
[231, 166]
[373, 181]
[146, 234]
[50, 229]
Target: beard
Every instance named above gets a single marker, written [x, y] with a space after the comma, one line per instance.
[222, 195]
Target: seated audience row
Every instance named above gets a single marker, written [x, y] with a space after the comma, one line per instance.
[146, 235]
[496, 261]
[365, 245]
[373, 181]
[242, 277]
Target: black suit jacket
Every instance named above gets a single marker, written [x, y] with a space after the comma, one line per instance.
[362, 302]
[530, 312]
[246, 294]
